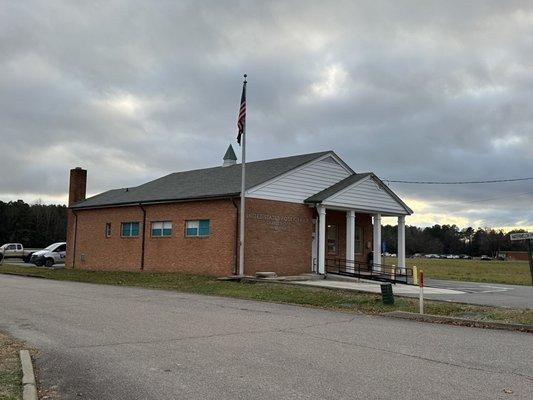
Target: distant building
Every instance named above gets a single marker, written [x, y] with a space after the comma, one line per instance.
[514, 255]
[302, 212]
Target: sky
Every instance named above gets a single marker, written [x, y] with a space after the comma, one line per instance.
[411, 90]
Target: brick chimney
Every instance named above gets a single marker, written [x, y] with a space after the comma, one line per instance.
[78, 185]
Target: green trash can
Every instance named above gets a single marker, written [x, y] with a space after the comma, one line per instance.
[386, 294]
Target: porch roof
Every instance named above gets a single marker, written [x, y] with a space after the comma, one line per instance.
[331, 195]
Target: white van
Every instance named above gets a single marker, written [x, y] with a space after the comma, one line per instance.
[53, 254]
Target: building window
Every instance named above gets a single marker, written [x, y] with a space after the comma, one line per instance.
[358, 240]
[161, 229]
[108, 229]
[197, 228]
[332, 239]
[130, 229]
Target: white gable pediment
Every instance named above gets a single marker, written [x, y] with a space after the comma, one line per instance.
[297, 185]
[369, 194]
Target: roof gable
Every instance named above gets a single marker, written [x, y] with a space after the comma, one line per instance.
[298, 184]
[363, 192]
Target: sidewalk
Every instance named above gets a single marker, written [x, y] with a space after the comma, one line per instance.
[373, 287]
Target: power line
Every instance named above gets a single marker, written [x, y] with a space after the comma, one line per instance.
[457, 182]
[497, 198]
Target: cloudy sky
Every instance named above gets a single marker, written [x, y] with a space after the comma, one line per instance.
[413, 90]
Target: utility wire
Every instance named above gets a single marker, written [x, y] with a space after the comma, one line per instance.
[457, 182]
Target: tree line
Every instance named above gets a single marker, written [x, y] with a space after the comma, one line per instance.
[449, 239]
[36, 225]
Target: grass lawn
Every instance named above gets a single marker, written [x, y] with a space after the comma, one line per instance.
[509, 272]
[341, 300]
[10, 371]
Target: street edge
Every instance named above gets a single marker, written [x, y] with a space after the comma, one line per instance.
[459, 321]
[29, 387]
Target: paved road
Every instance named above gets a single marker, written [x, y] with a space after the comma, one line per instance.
[108, 342]
[493, 294]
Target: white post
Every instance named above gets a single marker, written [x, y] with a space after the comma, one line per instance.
[377, 241]
[401, 243]
[243, 191]
[321, 239]
[350, 240]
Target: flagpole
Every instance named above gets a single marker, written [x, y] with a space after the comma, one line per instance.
[243, 189]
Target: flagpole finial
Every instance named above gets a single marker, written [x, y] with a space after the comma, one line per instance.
[245, 75]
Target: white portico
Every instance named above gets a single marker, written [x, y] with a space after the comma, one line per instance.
[360, 197]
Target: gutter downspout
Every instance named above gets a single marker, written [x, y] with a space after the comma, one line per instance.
[75, 236]
[236, 238]
[144, 235]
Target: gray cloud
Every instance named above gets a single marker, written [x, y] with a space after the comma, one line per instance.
[133, 90]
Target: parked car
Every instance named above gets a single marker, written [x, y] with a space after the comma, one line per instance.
[53, 254]
[15, 250]
[485, 258]
[465, 257]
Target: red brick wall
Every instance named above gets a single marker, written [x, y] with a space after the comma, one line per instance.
[278, 237]
[212, 255]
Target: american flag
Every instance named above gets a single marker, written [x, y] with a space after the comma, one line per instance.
[241, 119]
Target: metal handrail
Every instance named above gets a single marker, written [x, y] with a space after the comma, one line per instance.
[372, 271]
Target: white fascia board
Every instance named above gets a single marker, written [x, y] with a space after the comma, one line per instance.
[362, 211]
[277, 178]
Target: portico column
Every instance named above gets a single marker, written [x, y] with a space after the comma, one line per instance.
[377, 240]
[401, 243]
[350, 239]
[321, 239]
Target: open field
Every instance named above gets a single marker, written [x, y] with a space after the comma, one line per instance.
[274, 292]
[509, 272]
[10, 371]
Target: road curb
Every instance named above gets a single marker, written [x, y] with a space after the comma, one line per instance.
[29, 387]
[459, 321]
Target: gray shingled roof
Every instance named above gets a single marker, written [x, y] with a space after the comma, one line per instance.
[324, 194]
[200, 183]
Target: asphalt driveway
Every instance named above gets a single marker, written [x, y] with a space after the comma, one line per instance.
[110, 342]
[492, 294]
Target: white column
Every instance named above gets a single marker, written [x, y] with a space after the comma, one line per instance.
[377, 240]
[321, 239]
[350, 239]
[401, 243]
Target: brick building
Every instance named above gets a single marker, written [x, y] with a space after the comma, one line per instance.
[301, 213]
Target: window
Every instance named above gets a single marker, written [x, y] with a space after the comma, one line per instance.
[358, 240]
[162, 228]
[197, 228]
[331, 236]
[130, 229]
[12, 247]
[62, 247]
[19, 247]
[108, 229]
